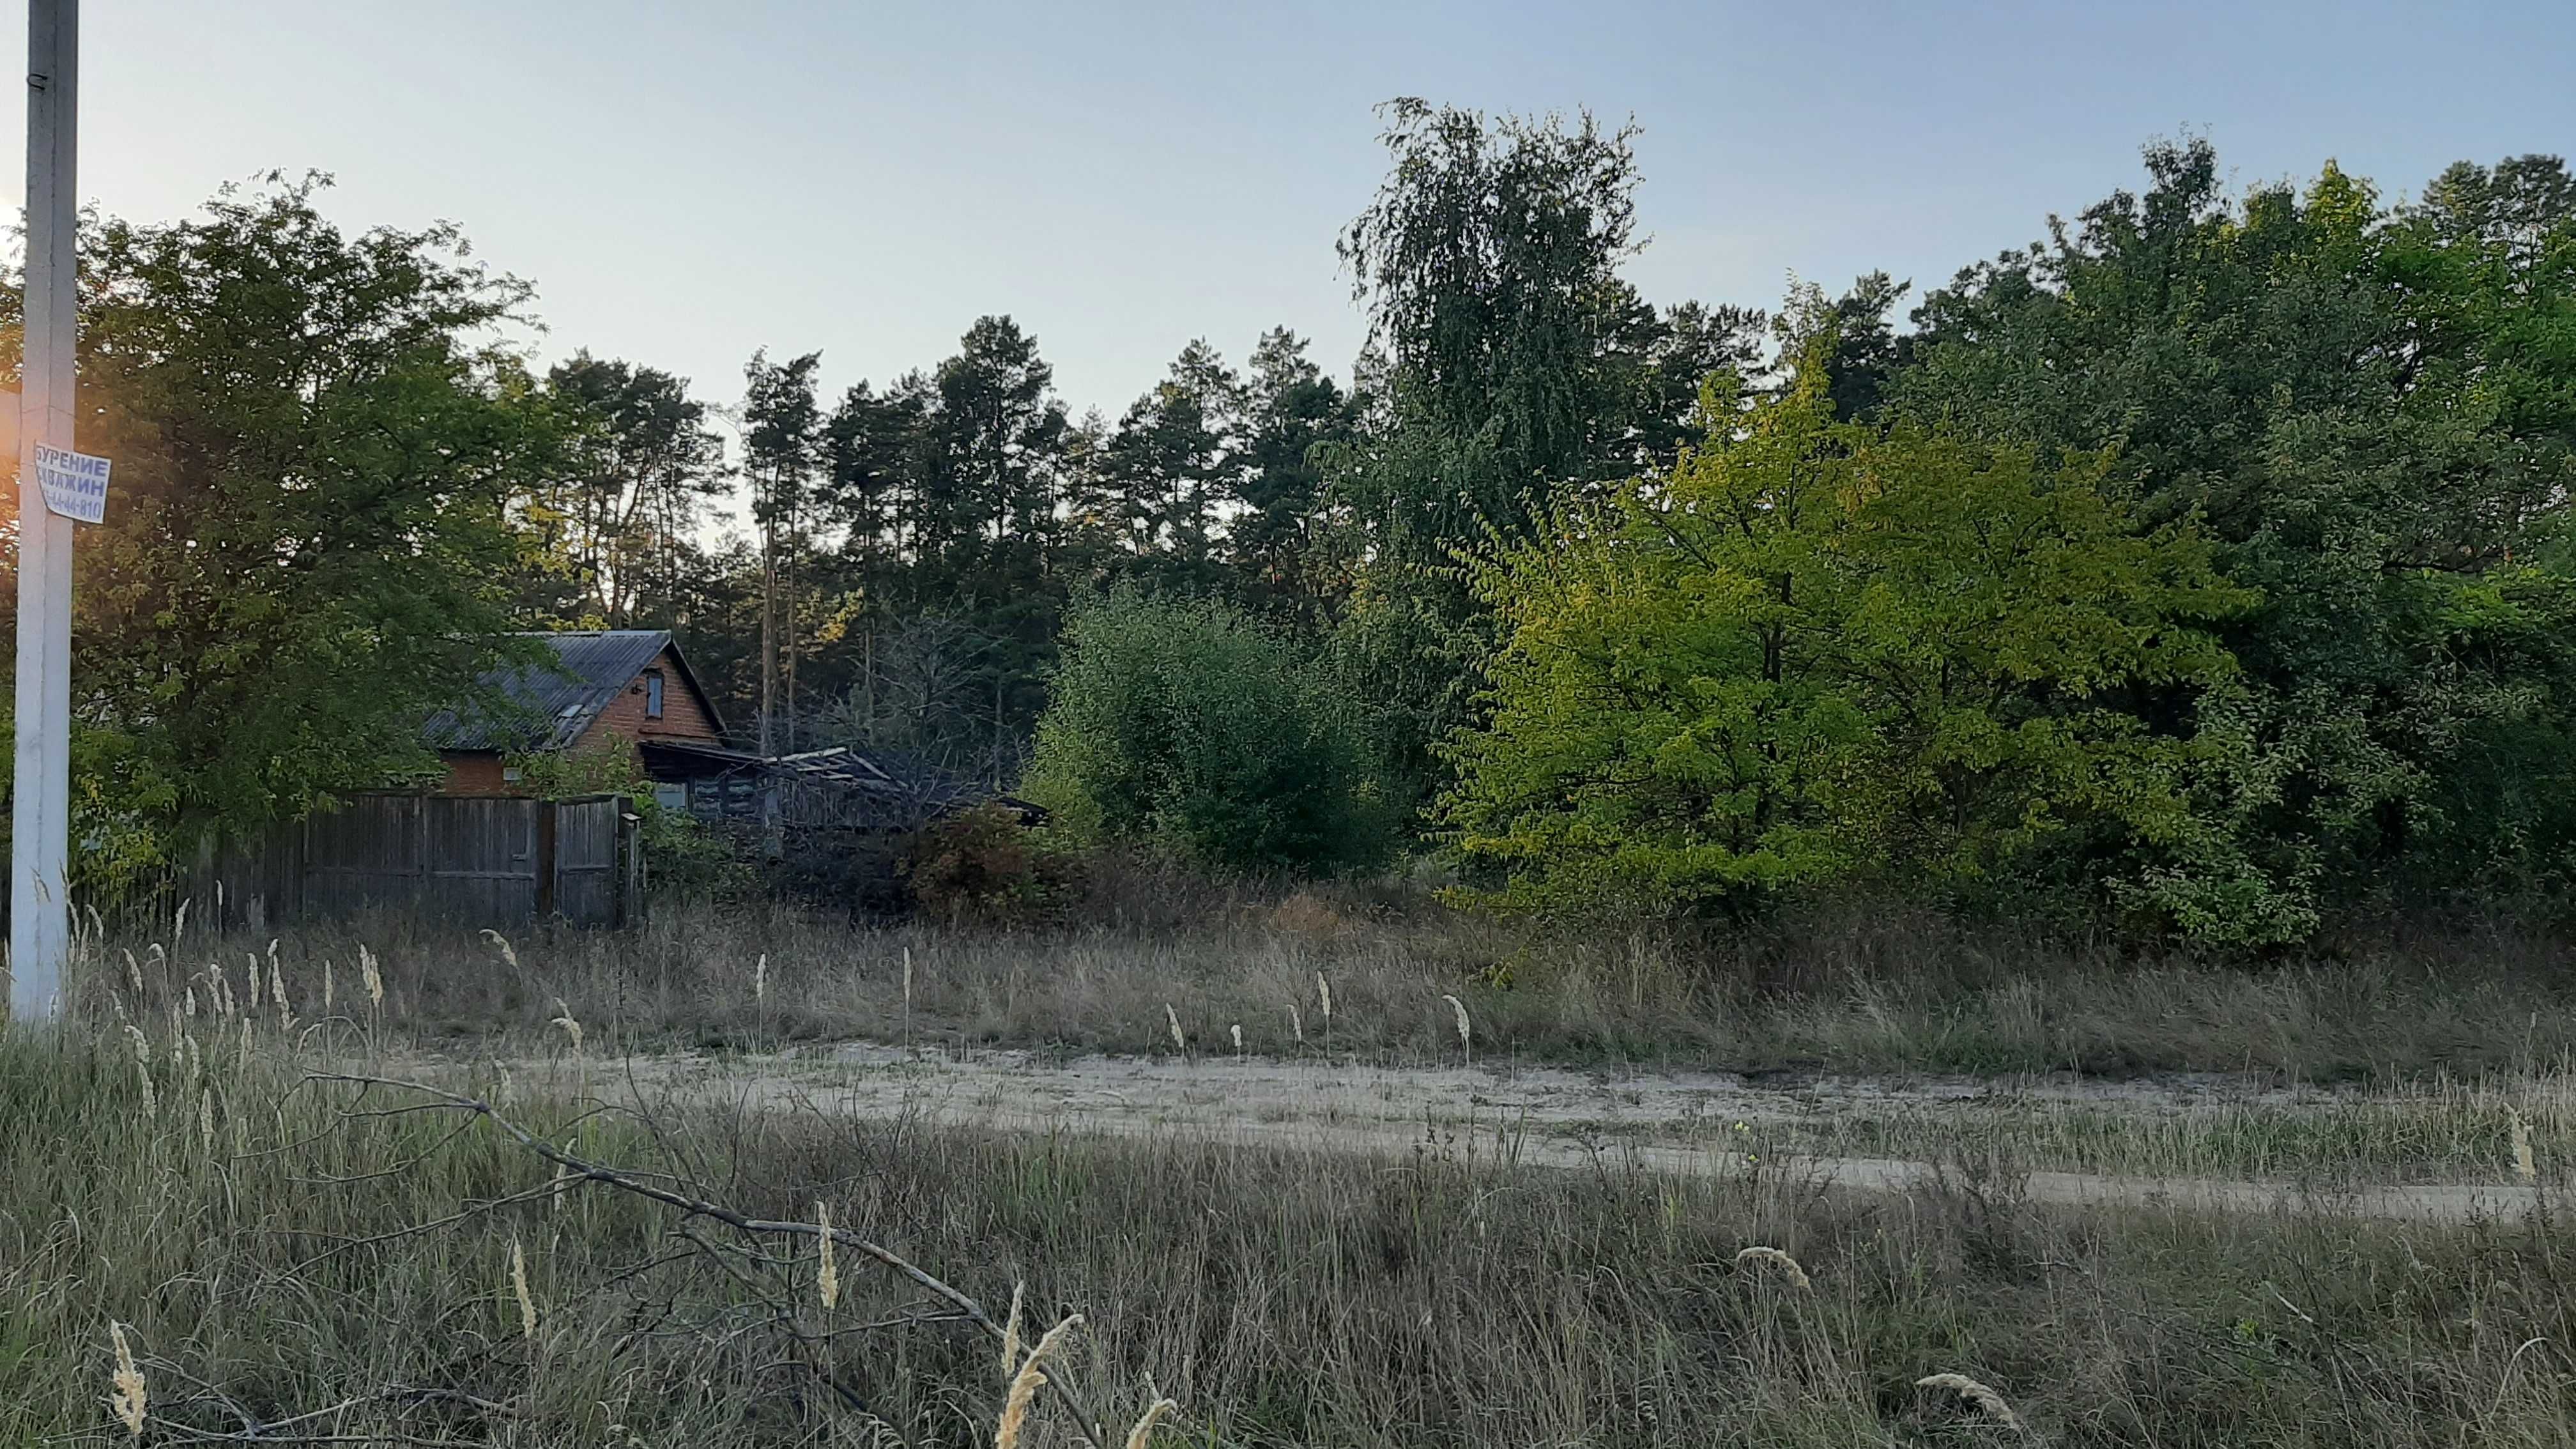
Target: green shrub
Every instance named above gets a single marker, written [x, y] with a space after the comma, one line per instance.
[1188, 728]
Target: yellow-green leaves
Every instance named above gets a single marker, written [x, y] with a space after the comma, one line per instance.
[1817, 650]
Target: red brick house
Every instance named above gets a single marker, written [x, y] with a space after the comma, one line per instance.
[604, 689]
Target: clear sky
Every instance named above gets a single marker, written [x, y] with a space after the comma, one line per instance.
[685, 182]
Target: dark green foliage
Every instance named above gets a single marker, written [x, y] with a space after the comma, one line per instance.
[2372, 411]
[336, 494]
[623, 527]
[1814, 655]
[1289, 561]
[311, 541]
[1189, 728]
[1519, 372]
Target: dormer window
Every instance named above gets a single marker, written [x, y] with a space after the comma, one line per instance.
[652, 694]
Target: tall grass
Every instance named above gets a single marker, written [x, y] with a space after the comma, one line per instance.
[1897, 992]
[336, 1253]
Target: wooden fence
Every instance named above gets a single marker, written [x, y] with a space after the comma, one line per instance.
[475, 860]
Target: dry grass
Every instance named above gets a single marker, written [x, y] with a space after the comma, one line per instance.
[1143, 1433]
[1284, 1298]
[163, 1176]
[1027, 1381]
[1890, 993]
[1985, 1399]
[131, 1403]
[1011, 1330]
[1774, 1260]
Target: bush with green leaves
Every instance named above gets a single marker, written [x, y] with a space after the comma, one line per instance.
[1191, 729]
[681, 854]
[1817, 652]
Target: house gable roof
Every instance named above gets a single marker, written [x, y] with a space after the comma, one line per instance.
[550, 704]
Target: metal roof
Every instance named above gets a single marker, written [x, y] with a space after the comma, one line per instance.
[548, 706]
[880, 789]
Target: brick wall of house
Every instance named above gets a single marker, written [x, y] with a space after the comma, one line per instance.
[684, 715]
[474, 772]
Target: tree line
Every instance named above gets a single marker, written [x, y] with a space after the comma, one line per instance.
[2200, 565]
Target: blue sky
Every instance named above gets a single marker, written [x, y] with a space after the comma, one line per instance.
[685, 182]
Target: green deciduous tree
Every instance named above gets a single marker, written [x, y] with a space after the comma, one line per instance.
[1816, 653]
[311, 540]
[1517, 371]
[2371, 409]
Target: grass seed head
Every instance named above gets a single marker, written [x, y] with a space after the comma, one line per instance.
[1024, 1385]
[1180, 1043]
[1238, 1038]
[827, 1277]
[1144, 1430]
[1774, 1258]
[2526, 1167]
[1324, 994]
[374, 979]
[134, 974]
[130, 1401]
[1296, 1023]
[255, 982]
[326, 986]
[519, 1288]
[143, 1069]
[1466, 1029]
[571, 1027]
[1988, 1402]
[502, 944]
[1011, 1332]
[760, 979]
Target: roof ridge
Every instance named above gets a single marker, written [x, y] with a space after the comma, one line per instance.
[558, 698]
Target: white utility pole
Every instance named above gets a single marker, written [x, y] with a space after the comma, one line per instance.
[40, 813]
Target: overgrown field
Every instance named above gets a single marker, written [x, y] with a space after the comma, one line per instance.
[1858, 991]
[303, 1261]
[294, 1256]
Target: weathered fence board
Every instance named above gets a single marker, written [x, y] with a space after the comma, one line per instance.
[474, 860]
[590, 847]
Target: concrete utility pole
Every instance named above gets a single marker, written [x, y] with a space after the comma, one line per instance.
[40, 813]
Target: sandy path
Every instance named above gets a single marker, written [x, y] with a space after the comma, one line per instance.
[1668, 1122]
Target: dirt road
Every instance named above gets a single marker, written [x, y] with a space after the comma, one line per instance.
[1674, 1122]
